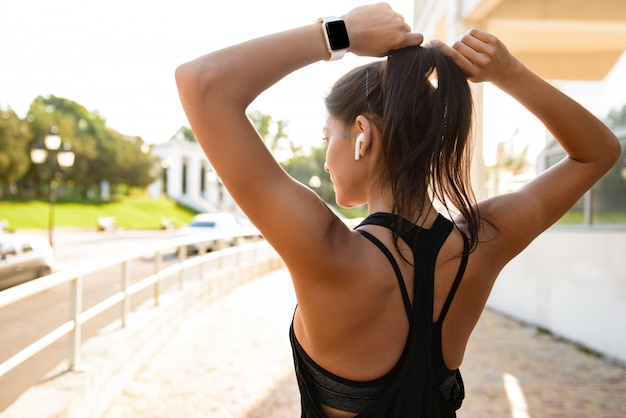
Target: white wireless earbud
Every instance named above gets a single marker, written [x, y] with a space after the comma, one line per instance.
[357, 146]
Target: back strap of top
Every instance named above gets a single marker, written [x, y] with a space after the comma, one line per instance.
[396, 269]
[441, 228]
[457, 280]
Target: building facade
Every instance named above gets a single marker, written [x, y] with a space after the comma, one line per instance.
[186, 176]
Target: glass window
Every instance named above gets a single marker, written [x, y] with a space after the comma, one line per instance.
[605, 203]
[608, 195]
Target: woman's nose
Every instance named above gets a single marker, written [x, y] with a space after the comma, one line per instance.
[326, 168]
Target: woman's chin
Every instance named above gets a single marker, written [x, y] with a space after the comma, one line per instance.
[345, 205]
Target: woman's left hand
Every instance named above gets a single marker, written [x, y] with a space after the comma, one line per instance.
[481, 56]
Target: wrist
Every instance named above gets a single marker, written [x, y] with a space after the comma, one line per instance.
[515, 75]
[335, 36]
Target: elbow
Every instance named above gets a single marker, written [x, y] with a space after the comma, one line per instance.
[194, 79]
[606, 149]
[193, 92]
[187, 80]
[199, 84]
[613, 152]
[196, 89]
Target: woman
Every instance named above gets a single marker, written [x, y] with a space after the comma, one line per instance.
[368, 335]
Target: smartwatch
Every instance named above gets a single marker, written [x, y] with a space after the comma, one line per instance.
[336, 36]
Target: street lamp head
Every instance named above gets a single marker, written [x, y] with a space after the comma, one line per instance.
[38, 153]
[65, 157]
[52, 139]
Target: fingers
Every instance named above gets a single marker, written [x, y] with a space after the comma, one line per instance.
[481, 35]
[407, 36]
[480, 55]
[414, 39]
[376, 29]
[477, 46]
[410, 38]
[456, 56]
[471, 49]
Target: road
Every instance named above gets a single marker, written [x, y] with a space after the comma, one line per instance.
[21, 324]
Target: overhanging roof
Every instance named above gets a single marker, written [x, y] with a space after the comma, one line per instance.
[558, 39]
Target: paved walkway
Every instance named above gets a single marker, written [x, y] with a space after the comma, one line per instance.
[233, 361]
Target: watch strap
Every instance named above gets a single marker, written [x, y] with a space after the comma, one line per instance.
[335, 52]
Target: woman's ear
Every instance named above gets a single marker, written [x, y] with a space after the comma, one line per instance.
[363, 140]
[357, 146]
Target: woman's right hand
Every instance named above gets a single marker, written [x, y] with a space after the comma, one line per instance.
[513, 220]
[376, 29]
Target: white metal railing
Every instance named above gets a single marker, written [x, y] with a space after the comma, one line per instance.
[76, 276]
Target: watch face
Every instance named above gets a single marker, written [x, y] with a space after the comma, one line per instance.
[337, 35]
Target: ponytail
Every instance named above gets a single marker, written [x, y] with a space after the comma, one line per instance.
[426, 129]
[421, 103]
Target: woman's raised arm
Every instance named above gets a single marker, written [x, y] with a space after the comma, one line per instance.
[591, 147]
[215, 91]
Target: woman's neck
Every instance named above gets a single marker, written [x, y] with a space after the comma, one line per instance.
[383, 202]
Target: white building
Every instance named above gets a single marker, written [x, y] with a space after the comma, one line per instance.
[186, 176]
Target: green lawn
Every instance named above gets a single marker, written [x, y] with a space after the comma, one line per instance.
[577, 217]
[130, 213]
[147, 213]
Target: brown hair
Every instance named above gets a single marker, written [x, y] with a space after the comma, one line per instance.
[421, 103]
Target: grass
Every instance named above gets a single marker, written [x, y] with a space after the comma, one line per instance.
[577, 217]
[130, 213]
[147, 213]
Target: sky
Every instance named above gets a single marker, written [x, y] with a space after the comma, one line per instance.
[118, 57]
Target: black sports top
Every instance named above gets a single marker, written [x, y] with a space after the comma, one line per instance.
[419, 385]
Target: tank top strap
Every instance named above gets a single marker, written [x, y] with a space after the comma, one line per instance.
[457, 281]
[418, 238]
[389, 221]
[396, 269]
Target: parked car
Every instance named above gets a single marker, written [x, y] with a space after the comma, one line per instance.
[210, 223]
[23, 258]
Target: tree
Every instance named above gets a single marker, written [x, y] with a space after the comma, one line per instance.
[77, 126]
[135, 164]
[102, 154]
[185, 134]
[309, 170]
[272, 131]
[616, 118]
[274, 134]
[511, 164]
[14, 152]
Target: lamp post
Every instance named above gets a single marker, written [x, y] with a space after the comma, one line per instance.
[60, 157]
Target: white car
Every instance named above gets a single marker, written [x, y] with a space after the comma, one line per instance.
[212, 222]
[23, 258]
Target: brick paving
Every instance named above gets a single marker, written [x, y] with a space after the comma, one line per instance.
[233, 360]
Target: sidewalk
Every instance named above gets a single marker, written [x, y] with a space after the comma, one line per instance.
[234, 361]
